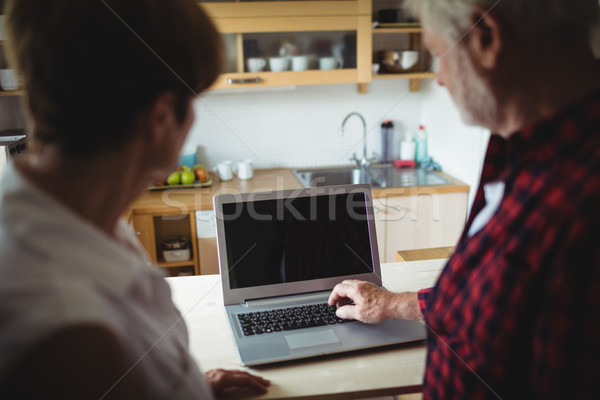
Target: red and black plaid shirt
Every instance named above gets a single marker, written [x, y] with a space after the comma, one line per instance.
[516, 311]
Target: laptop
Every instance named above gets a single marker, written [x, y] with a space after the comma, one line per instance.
[280, 255]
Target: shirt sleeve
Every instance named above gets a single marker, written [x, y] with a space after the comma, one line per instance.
[423, 297]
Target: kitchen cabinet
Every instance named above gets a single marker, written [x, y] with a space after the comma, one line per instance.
[418, 220]
[154, 228]
[399, 36]
[261, 29]
[307, 25]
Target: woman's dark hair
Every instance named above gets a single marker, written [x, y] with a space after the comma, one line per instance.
[91, 67]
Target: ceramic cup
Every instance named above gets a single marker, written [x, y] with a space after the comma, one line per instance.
[375, 69]
[225, 170]
[328, 63]
[300, 63]
[8, 79]
[278, 64]
[243, 169]
[256, 64]
[409, 58]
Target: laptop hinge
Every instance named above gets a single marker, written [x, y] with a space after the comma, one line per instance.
[275, 301]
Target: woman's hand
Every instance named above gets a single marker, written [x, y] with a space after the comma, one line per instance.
[221, 380]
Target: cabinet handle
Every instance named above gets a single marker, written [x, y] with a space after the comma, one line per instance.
[138, 233]
[242, 80]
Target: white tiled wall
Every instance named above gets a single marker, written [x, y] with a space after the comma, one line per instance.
[299, 126]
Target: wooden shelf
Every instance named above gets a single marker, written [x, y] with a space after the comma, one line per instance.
[397, 30]
[5, 93]
[176, 264]
[409, 75]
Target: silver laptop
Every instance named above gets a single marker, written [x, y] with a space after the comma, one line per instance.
[280, 255]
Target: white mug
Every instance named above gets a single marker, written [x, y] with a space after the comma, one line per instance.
[225, 170]
[243, 169]
[256, 64]
[409, 59]
[300, 63]
[278, 64]
[8, 79]
[327, 63]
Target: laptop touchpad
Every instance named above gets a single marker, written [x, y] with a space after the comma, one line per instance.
[311, 339]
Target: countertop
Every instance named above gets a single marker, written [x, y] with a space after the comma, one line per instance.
[178, 201]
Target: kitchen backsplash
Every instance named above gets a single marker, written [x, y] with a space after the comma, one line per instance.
[292, 127]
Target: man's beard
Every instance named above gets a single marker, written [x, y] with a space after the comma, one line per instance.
[472, 95]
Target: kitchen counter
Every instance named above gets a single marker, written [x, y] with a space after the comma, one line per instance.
[178, 201]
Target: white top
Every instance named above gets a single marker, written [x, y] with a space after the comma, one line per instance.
[57, 270]
[494, 193]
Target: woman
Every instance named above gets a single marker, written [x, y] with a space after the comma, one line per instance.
[109, 88]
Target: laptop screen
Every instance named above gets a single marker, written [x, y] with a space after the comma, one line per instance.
[296, 239]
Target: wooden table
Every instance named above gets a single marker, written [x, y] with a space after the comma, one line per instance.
[381, 372]
[425, 254]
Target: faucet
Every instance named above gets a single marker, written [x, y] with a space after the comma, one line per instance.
[365, 162]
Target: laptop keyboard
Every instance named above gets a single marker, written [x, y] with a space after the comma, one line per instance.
[287, 319]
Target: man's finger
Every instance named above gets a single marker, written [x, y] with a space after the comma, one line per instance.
[347, 312]
[341, 291]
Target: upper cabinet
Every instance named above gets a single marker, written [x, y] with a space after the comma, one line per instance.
[289, 43]
[294, 42]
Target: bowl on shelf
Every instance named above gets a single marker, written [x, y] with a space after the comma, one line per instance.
[399, 61]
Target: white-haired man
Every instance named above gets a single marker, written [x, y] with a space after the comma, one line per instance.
[516, 311]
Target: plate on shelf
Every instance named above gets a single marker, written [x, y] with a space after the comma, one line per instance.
[189, 186]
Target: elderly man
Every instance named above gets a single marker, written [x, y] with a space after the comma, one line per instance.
[516, 311]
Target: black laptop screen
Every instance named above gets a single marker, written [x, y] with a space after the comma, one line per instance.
[297, 239]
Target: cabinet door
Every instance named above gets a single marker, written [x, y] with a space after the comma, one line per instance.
[144, 229]
[421, 221]
[282, 29]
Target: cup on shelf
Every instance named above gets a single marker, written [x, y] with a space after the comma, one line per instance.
[278, 64]
[243, 169]
[329, 63]
[300, 63]
[398, 61]
[375, 68]
[225, 170]
[409, 59]
[8, 79]
[256, 64]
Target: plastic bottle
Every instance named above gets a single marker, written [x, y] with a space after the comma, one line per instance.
[407, 148]
[421, 151]
[387, 141]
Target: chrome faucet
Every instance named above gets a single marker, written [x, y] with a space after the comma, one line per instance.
[364, 162]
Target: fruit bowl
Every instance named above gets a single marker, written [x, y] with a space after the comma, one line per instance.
[182, 186]
[185, 177]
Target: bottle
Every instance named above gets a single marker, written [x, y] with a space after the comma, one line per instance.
[421, 151]
[387, 141]
[407, 148]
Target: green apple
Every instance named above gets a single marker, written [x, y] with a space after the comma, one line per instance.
[197, 166]
[188, 177]
[174, 178]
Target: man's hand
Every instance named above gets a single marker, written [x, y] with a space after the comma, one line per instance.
[221, 379]
[372, 303]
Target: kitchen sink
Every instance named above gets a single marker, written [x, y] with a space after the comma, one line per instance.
[378, 176]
